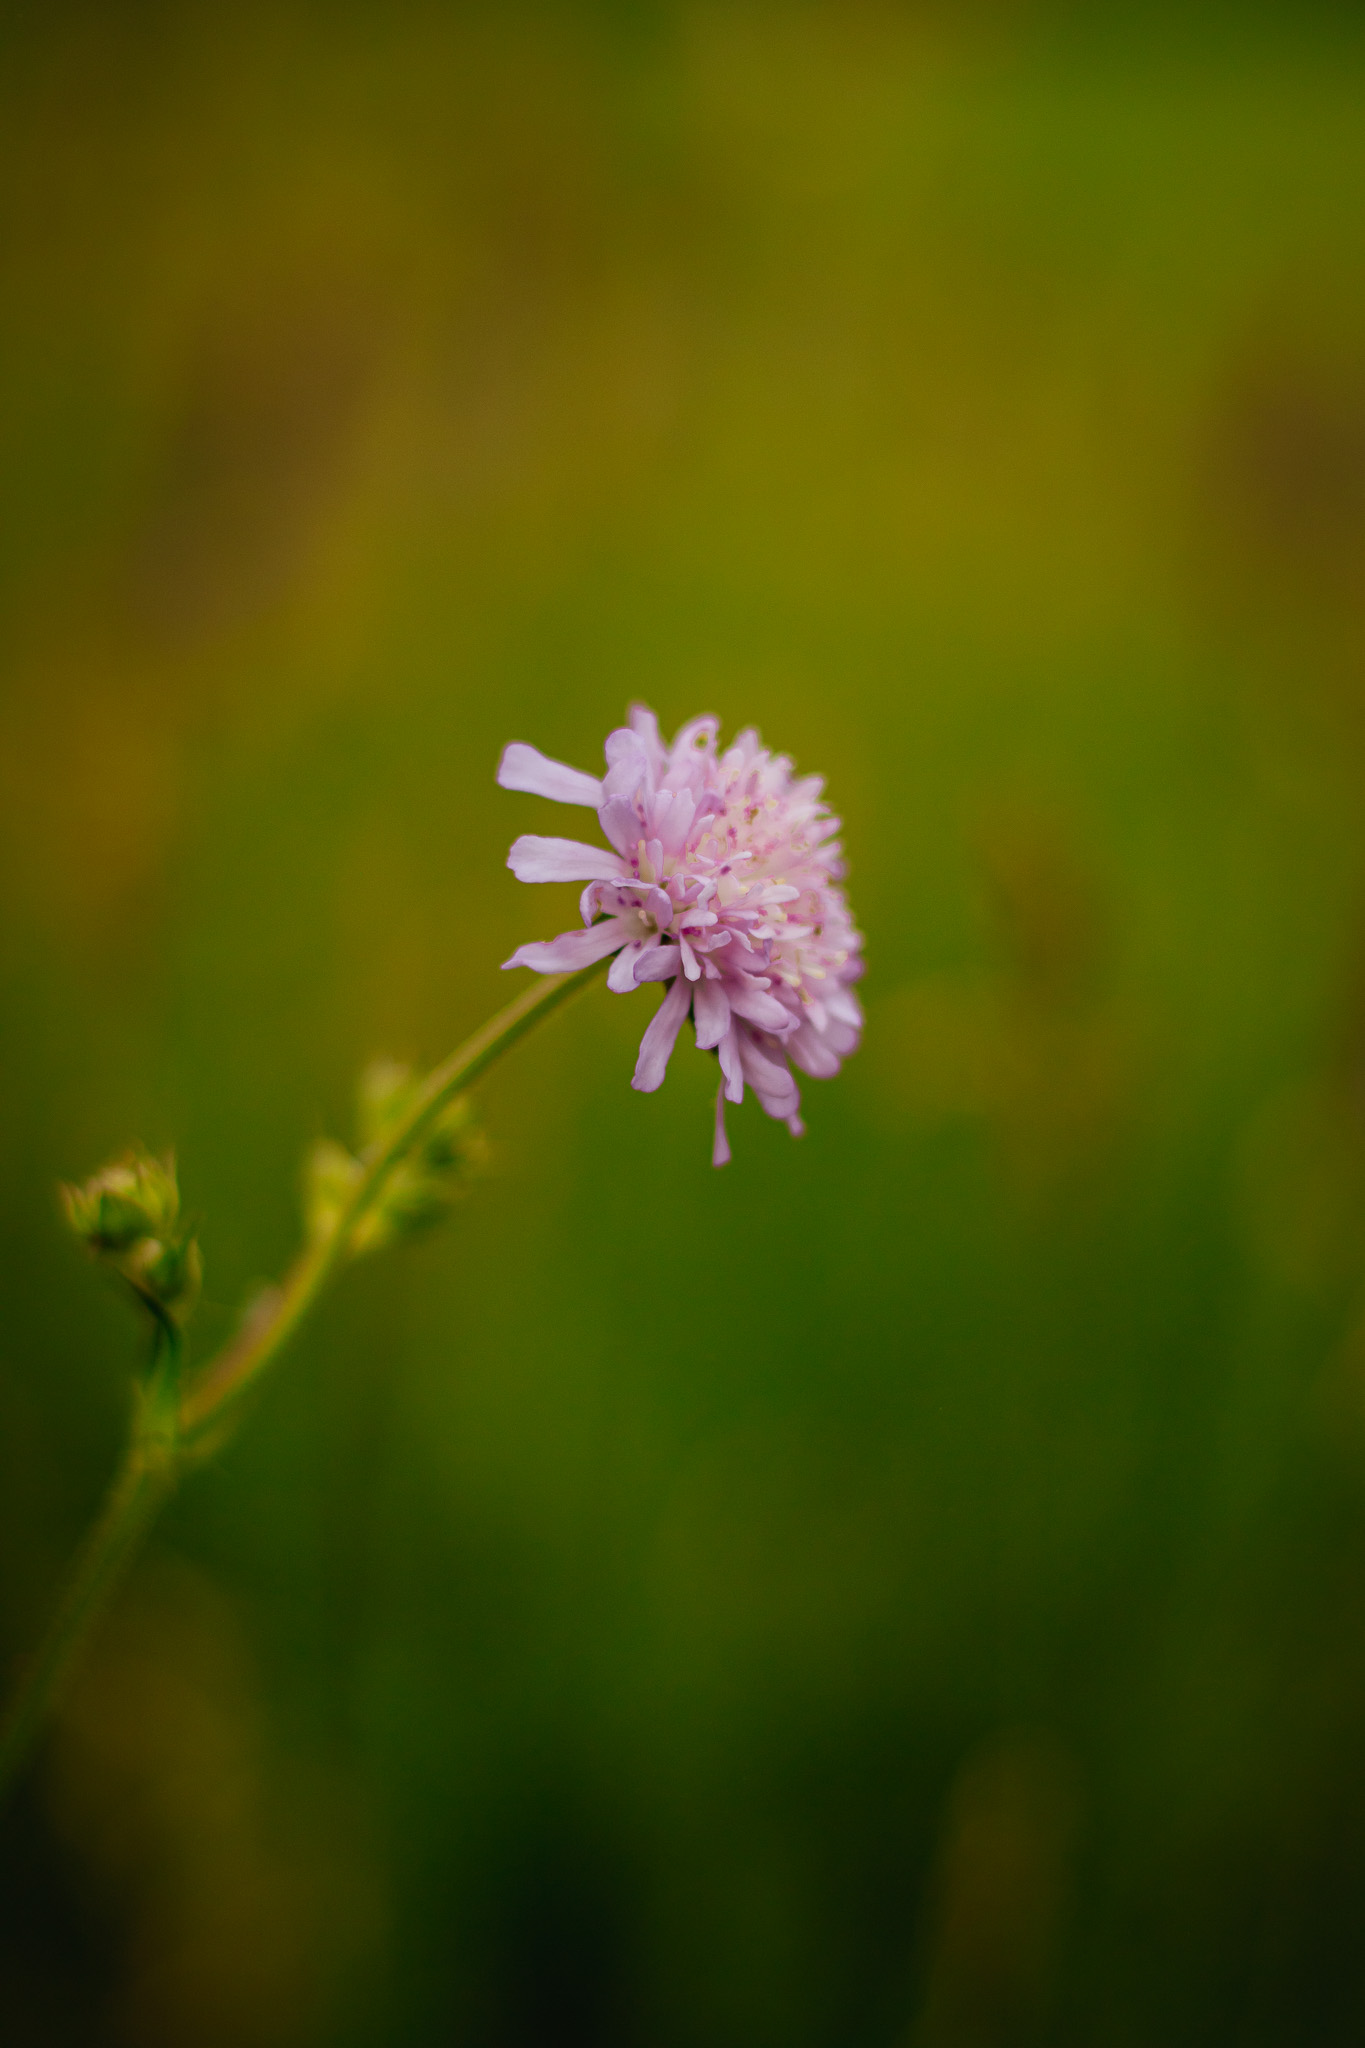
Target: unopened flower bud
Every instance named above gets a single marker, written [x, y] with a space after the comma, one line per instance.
[169, 1273]
[423, 1188]
[134, 1198]
[386, 1088]
[455, 1142]
[128, 1215]
[330, 1173]
[418, 1189]
[412, 1201]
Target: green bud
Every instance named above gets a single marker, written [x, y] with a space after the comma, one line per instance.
[127, 1214]
[330, 1173]
[422, 1189]
[386, 1089]
[170, 1273]
[408, 1204]
[455, 1141]
[419, 1189]
[133, 1198]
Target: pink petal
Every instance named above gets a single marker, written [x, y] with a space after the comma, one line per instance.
[694, 739]
[620, 821]
[759, 1008]
[843, 1038]
[646, 726]
[534, 859]
[628, 763]
[812, 1053]
[621, 973]
[523, 767]
[711, 1013]
[661, 1035]
[845, 1007]
[656, 903]
[769, 1077]
[658, 963]
[672, 813]
[728, 1052]
[720, 1147]
[572, 950]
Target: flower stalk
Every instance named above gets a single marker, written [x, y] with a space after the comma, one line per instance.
[180, 1418]
[144, 1483]
[722, 877]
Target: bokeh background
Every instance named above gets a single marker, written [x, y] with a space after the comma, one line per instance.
[907, 1589]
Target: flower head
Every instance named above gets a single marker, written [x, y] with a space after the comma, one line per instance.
[721, 878]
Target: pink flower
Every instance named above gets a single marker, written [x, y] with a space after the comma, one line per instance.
[721, 879]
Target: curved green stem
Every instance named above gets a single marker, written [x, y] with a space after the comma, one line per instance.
[145, 1480]
[177, 1422]
[226, 1378]
[129, 1512]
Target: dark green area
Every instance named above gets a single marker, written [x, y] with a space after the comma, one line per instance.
[909, 1588]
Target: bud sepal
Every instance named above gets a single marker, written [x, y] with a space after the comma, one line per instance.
[128, 1216]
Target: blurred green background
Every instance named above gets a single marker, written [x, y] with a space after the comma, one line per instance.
[907, 1589]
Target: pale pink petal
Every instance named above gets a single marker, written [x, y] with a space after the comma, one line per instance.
[841, 1003]
[658, 904]
[759, 1008]
[691, 964]
[572, 950]
[621, 822]
[720, 1144]
[534, 859]
[657, 963]
[628, 764]
[728, 1053]
[646, 727]
[711, 1013]
[695, 738]
[763, 1062]
[621, 973]
[671, 815]
[812, 1053]
[815, 1014]
[661, 1035]
[770, 1079]
[523, 767]
[843, 1038]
